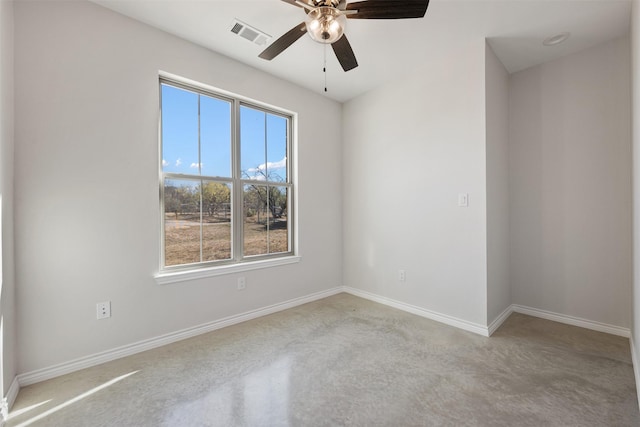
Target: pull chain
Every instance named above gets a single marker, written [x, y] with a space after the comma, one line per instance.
[324, 68]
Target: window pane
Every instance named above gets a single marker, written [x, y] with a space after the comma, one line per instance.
[181, 221]
[266, 228]
[255, 220]
[179, 130]
[252, 143]
[278, 224]
[215, 136]
[216, 221]
[277, 128]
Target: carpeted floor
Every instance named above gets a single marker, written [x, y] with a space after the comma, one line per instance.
[345, 361]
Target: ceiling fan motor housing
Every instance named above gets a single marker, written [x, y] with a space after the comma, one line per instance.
[330, 3]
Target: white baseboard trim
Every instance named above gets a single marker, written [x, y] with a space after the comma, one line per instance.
[498, 321]
[12, 393]
[438, 317]
[574, 321]
[636, 367]
[128, 350]
[4, 412]
[9, 400]
[489, 330]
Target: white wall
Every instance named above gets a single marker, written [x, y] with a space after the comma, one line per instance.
[86, 183]
[570, 185]
[410, 147]
[7, 287]
[497, 112]
[87, 222]
[635, 73]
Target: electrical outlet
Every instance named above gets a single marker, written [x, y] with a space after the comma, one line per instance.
[242, 283]
[402, 276]
[103, 310]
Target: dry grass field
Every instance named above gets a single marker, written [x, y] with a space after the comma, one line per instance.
[182, 238]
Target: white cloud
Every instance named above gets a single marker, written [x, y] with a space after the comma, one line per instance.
[257, 177]
[164, 163]
[178, 162]
[270, 165]
[196, 165]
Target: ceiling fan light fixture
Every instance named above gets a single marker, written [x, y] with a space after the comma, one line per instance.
[325, 24]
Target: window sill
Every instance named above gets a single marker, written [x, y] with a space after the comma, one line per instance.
[166, 278]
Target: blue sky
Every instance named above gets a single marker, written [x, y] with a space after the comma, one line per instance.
[180, 137]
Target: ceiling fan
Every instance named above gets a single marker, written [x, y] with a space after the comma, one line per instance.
[326, 20]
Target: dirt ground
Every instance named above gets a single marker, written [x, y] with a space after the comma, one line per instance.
[182, 238]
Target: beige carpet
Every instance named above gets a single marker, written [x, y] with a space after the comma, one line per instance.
[345, 361]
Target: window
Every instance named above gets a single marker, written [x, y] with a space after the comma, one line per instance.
[226, 187]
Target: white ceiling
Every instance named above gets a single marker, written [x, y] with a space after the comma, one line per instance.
[387, 49]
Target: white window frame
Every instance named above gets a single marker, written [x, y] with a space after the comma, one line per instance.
[238, 262]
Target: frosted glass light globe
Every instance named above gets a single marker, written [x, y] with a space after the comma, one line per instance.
[325, 24]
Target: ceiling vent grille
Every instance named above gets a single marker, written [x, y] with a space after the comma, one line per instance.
[250, 33]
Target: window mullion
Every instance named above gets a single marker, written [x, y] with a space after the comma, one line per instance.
[266, 178]
[238, 200]
[200, 172]
[162, 182]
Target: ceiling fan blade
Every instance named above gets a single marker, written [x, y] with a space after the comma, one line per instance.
[278, 46]
[301, 3]
[308, 7]
[388, 9]
[344, 53]
[292, 2]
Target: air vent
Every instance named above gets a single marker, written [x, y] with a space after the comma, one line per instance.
[250, 33]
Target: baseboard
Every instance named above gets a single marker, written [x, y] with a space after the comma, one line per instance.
[128, 350]
[498, 321]
[12, 393]
[119, 352]
[636, 368]
[571, 320]
[9, 400]
[489, 330]
[438, 317]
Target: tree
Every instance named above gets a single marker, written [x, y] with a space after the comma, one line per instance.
[215, 196]
[258, 198]
[180, 199]
[263, 196]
